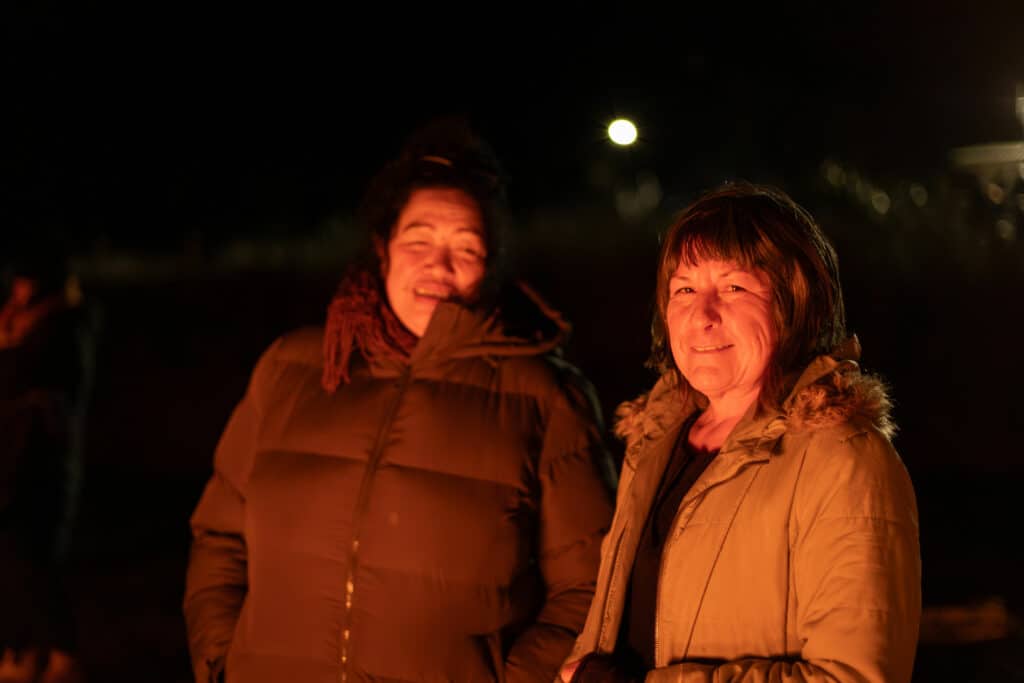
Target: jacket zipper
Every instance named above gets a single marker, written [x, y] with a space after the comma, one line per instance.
[657, 587]
[361, 500]
[615, 571]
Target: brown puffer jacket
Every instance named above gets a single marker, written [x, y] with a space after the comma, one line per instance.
[436, 520]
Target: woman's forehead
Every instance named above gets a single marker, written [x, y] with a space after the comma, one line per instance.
[443, 209]
[715, 267]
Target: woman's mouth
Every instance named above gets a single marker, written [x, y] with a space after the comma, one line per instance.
[438, 293]
[711, 348]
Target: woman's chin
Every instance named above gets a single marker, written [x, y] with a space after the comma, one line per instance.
[707, 381]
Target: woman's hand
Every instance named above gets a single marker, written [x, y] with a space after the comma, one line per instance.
[598, 668]
[568, 670]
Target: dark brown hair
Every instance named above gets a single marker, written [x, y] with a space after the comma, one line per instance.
[760, 227]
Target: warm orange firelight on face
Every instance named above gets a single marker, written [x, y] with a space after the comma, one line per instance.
[437, 252]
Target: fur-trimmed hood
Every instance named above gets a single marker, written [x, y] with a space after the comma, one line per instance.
[830, 391]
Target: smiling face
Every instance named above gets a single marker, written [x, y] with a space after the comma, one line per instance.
[720, 327]
[437, 251]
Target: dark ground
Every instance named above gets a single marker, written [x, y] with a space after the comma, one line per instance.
[175, 352]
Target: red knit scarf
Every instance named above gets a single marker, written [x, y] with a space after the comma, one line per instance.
[359, 317]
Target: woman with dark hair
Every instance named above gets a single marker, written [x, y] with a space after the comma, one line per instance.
[765, 528]
[418, 491]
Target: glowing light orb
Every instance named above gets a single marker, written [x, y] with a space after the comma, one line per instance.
[918, 194]
[622, 132]
[1006, 230]
[881, 202]
[995, 193]
[834, 173]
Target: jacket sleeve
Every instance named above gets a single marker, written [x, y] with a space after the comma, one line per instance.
[576, 480]
[216, 581]
[856, 572]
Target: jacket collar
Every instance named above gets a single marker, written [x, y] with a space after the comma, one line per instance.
[660, 414]
[516, 323]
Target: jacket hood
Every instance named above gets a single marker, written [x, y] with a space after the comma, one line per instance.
[830, 391]
[517, 323]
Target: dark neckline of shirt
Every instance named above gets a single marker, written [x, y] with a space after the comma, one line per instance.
[635, 646]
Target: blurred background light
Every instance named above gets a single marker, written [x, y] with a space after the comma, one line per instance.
[918, 194]
[835, 174]
[638, 202]
[995, 193]
[1020, 103]
[1006, 229]
[622, 132]
[862, 189]
[880, 201]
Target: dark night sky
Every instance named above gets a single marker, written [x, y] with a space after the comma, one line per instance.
[146, 123]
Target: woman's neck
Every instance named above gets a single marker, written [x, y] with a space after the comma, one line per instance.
[713, 426]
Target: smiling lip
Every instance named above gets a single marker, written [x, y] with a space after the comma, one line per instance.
[436, 293]
[711, 348]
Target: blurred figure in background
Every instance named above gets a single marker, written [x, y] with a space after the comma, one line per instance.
[418, 491]
[766, 529]
[46, 361]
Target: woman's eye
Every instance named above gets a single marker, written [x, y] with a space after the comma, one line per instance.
[683, 290]
[734, 288]
[471, 248]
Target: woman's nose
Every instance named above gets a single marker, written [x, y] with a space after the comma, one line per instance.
[441, 257]
[708, 312]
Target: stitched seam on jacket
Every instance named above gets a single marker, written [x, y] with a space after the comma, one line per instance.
[714, 563]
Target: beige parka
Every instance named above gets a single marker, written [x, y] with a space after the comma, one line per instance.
[795, 555]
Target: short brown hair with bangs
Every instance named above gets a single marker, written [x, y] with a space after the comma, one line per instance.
[760, 227]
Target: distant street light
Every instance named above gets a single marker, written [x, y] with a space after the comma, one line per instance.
[622, 132]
